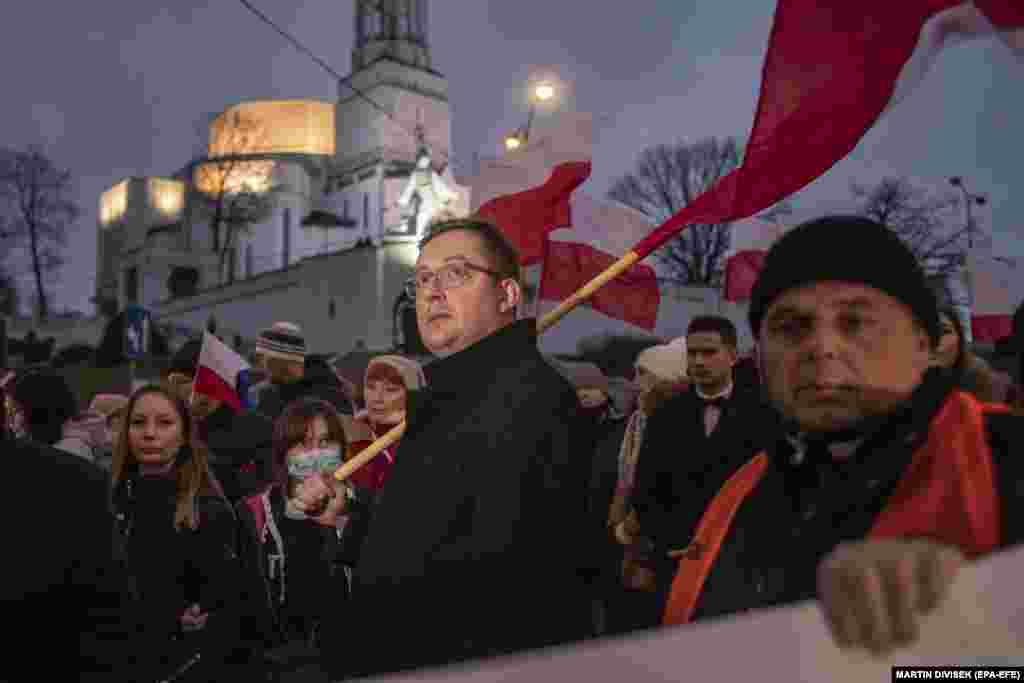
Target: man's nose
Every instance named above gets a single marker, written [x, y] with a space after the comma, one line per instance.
[823, 341]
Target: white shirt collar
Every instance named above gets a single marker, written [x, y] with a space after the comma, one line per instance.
[724, 393]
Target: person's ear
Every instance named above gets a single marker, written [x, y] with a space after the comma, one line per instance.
[512, 295]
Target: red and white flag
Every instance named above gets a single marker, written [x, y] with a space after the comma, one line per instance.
[994, 290]
[832, 68]
[749, 242]
[526, 192]
[600, 233]
[222, 374]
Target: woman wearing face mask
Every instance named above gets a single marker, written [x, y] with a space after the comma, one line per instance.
[178, 540]
[388, 381]
[292, 526]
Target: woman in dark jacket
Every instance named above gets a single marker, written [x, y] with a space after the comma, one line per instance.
[295, 554]
[179, 543]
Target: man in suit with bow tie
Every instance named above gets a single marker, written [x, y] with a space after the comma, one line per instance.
[692, 444]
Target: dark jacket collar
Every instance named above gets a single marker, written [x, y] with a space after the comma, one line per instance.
[468, 373]
[475, 364]
[909, 422]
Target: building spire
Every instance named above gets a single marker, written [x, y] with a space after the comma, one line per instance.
[391, 29]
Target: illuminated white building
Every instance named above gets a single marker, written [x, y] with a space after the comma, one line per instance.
[332, 252]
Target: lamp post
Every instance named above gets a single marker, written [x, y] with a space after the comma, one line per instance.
[969, 200]
[540, 93]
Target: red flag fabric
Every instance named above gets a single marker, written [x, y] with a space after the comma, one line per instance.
[599, 234]
[741, 273]
[526, 218]
[831, 69]
[989, 329]
[526, 191]
[749, 242]
[632, 297]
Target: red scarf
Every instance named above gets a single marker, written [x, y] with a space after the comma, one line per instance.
[948, 493]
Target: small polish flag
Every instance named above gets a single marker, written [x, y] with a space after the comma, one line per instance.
[222, 374]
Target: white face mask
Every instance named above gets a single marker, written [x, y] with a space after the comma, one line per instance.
[314, 461]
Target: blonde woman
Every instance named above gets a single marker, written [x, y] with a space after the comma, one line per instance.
[631, 601]
[178, 540]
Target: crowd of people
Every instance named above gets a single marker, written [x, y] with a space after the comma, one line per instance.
[860, 456]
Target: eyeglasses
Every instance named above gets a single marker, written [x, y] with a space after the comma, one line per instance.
[450, 276]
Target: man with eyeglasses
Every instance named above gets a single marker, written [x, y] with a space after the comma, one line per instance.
[478, 545]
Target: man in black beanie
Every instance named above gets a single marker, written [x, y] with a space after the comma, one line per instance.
[885, 478]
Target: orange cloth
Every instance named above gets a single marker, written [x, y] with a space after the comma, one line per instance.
[948, 493]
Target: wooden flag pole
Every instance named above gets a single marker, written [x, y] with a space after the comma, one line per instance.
[370, 452]
[587, 291]
[584, 293]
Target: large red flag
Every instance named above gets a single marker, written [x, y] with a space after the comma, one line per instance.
[527, 217]
[526, 192]
[832, 68]
[599, 233]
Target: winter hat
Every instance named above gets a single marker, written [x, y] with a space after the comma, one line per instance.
[667, 362]
[409, 370]
[284, 341]
[844, 249]
[186, 359]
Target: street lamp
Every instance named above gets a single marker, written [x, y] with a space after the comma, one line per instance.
[970, 199]
[541, 93]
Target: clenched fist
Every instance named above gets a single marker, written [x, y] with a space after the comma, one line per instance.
[873, 593]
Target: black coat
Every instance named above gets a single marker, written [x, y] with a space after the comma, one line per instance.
[316, 581]
[61, 588]
[603, 482]
[478, 544]
[241, 447]
[800, 513]
[170, 569]
[680, 468]
[275, 398]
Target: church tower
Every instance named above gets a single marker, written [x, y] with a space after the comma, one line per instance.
[392, 29]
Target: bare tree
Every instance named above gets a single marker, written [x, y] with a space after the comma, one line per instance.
[234, 183]
[920, 218]
[666, 178]
[38, 212]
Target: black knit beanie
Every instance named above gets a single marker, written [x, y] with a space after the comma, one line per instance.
[844, 249]
[186, 359]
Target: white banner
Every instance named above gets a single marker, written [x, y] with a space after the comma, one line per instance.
[982, 624]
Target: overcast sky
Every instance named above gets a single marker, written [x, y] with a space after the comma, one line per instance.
[116, 89]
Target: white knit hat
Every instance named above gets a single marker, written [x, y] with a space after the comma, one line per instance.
[284, 341]
[410, 371]
[667, 362]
